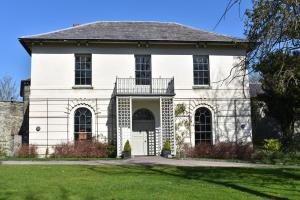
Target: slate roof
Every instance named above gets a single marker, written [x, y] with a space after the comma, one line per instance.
[134, 31]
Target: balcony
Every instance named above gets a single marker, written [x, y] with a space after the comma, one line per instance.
[150, 87]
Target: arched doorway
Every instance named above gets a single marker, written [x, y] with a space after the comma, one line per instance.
[203, 126]
[82, 124]
[143, 135]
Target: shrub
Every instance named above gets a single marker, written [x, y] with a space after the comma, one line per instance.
[2, 151]
[82, 149]
[27, 151]
[127, 147]
[222, 151]
[200, 151]
[180, 109]
[272, 146]
[258, 155]
[244, 151]
[167, 146]
[292, 157]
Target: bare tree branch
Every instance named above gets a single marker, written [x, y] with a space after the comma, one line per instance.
[8, 89]
[230, 4]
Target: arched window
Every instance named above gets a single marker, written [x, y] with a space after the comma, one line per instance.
[82, 124]
[143, 114]
[203, 126]
[143, 120]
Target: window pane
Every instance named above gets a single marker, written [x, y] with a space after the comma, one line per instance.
[77, 66]
[205, 81]
[148, 67]
[137, 75]
[77, 81]
[88, 74]
[88, 58]
[88, 81]
[88, 66]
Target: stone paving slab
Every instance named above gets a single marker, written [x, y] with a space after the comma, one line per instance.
[141, 161]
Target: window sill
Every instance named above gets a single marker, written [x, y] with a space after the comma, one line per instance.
[83, 87]
[201, 87]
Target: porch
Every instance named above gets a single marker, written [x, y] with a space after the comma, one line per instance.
[145, 115]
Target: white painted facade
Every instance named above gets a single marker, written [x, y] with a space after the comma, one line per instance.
[53, 98]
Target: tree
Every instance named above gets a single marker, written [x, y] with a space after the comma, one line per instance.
[270, 26]
[7, 89]
[280, 83]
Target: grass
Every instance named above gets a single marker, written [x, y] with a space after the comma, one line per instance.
[148, 182]
[294, 162]
[52, 158]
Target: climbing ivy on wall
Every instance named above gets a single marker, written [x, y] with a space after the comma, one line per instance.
[182, 127]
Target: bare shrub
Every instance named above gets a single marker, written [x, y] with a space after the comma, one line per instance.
[221, 150]
[83, 149]
[27, 151]
[201, 151]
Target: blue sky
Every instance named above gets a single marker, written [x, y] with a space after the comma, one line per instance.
[19, 18]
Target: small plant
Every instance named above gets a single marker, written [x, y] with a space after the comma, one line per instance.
[127, 147]
[167, 146]
[180, 109]
[166, 150]
[272, 146]
[127, 150]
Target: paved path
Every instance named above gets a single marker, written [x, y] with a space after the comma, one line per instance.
[141, 161]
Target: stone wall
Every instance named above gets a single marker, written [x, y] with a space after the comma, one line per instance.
[11, 125]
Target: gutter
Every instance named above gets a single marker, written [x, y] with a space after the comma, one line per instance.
[198, 44]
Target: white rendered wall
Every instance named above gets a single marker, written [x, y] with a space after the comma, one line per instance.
[52, 78]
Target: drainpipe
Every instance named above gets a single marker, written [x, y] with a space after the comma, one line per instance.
[235, 123]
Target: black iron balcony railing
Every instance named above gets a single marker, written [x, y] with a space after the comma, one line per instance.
[154, 86]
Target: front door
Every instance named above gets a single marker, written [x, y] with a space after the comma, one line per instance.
[139, 143]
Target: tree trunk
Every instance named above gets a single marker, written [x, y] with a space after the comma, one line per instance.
[287, 136]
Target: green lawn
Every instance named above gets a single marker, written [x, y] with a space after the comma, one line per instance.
[124, 182]
[53, 158]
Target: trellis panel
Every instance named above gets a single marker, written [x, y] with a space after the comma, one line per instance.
[167, 121]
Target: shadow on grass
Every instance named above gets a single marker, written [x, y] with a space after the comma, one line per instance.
[266, 183]
[240, 179]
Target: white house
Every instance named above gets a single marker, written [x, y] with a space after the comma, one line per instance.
[119, 81]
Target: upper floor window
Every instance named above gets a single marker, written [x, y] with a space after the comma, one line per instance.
[143, 69]
[201, 70]
[83, 69]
